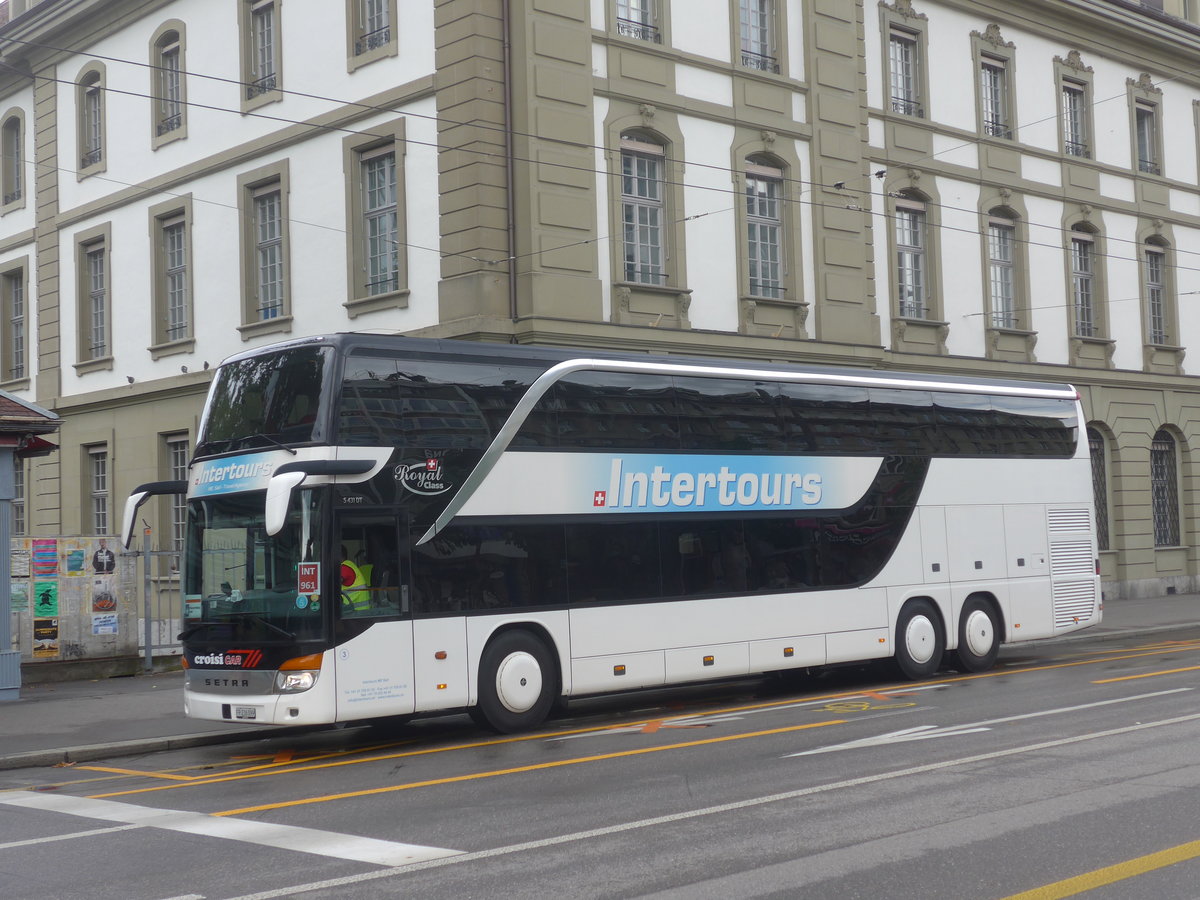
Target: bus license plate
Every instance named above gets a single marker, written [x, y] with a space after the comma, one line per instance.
[245, 712]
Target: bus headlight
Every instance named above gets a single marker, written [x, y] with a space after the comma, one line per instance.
[294, 682]
[298, 674]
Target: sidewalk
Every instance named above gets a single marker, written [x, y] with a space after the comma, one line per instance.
[84, 720]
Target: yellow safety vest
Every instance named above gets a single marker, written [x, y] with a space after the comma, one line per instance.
[355, 592]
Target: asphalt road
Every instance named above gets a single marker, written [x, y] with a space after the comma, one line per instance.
[1069, 769]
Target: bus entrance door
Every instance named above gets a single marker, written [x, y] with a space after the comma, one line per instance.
[373, 654]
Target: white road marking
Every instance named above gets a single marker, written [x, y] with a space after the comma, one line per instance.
[709, 811]
[924, 732]
[704, 719]
[67, 837]
[266, 834]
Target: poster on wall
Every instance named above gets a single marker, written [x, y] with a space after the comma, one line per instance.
[45, 598]
[45, 638]
[104, 561]
[20, 564]
[104, 624]
[45, 558]
[104, 598]
[75, 558]
[19, 598]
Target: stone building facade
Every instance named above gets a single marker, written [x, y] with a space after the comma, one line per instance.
[972, 187]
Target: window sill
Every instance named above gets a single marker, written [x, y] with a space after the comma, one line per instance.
[653, 305]
[375, 54]
[170, 348]
[158, 141]
[101, 364]
[377, 302]
[277, 325]
[17, 384]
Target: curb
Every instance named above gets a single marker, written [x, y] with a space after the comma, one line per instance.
[70, 755]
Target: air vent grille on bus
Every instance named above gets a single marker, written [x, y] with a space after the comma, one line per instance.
[1071, 558]
[1073, 600]
[1068, 519]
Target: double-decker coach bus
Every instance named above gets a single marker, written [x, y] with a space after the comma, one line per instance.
[383, 526]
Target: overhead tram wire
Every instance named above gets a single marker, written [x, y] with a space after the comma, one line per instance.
[807, 185]
[599, 172]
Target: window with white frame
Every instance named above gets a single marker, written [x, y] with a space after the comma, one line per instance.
[268, 250]
[174, 267]
[1001, 244]
[91, 120]
[169, 94]
[642, 209]
[911, 281]
[1146, 125]
[263, 59]
[177, 470]
[94, 275]
[1075, 112]
[1083, 283]
[757, 29]
[638, 19]
[381, 252]
[1164, 490]
[904, 73]
[97, 481]
[1157, 319]
[14, 314]
[764, 228]
[19, 526]
[993, 93]
[12, 178]
[374, 24]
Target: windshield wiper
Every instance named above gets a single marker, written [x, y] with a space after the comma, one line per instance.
[270, 440]
[242, 617]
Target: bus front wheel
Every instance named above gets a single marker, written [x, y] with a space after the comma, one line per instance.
[517, 683]
[919, 640]
[978, 635]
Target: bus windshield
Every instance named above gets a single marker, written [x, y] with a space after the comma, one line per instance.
[235, 573]
[264, 401]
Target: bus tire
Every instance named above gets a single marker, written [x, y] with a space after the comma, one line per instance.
[978, 635]
[919, 640]
[517, 683]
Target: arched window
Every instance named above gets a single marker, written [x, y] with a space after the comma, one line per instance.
[1156, 292]
[12, 152]
[1164, 489]
[90, 105]
[1002, 257]
[642, 208]
[764, 227]
[912, 263]
[1083, 282]
[1099, 485]
[168, 95]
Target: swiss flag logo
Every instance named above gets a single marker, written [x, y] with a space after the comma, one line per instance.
[599, 498]
[431, 465]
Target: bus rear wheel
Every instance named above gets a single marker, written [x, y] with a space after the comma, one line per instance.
[517, 683]
[978, 635]
[919, 640]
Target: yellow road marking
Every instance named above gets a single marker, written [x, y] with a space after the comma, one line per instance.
[535, 767]
[1147, 675]
[294, 768]
[116, 771]
[1089, 881]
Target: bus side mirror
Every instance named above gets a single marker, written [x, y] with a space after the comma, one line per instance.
[279, 497]
[140, 495]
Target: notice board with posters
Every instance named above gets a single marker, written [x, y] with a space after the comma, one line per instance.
[73, 598]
